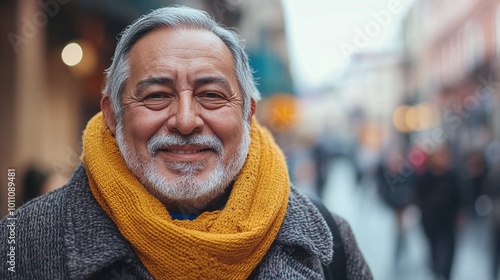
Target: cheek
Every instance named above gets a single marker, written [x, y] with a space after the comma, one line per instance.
[138, 129]
[231, 134]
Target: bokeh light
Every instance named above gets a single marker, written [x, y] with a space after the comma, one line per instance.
[72, 54]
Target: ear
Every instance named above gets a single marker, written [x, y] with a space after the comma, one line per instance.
[253, 106]
[109, 113]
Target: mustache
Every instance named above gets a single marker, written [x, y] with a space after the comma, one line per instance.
[164, 141]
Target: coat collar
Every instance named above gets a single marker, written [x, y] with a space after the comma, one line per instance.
[92, 239]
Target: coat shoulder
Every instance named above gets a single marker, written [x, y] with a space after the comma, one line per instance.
[356, 265]
[303, 243]
[40, 217]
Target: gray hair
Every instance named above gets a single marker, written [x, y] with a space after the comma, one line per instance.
[177, 17]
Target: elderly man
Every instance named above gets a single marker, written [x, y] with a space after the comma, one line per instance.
[178, 180]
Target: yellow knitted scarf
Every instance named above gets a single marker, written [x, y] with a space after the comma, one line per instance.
[223, 244]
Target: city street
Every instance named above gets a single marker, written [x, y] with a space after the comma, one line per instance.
[374, 227]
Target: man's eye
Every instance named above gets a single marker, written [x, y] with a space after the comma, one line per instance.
[156, 95]
[211, 95]
[157, 101]
[212, 100]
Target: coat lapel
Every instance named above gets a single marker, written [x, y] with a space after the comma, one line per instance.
[93, 242]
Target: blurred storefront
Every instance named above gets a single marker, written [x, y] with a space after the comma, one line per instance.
[54, 53]
[453, 56]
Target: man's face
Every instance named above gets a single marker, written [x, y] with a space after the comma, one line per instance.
[182, 115]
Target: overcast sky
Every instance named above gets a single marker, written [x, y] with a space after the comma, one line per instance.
[322, 34]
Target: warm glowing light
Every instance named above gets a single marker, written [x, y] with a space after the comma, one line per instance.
[72, 54]
[283, 112]
[415, 118]
[412, 118]
[426, 117]
[399, 118]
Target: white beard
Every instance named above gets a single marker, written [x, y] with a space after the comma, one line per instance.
[187, 190]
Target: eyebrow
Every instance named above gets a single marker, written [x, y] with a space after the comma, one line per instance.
[167, 81]
[217, 80]
[163, 81]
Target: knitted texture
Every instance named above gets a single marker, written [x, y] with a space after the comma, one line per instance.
[356, 268]
[67, 235]
[225, 244]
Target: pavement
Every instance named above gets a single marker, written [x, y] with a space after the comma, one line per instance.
[374, 227]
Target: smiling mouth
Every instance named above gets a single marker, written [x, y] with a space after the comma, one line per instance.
[185, 151]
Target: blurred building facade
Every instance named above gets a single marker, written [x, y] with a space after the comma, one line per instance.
[372, 88]
[452, 51]
[45, 104]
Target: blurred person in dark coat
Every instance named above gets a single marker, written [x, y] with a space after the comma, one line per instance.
[322, 158]
[475, 175]
[438, 197]
[492, 191]
[33, 183]
[38, 181]
[395, 183]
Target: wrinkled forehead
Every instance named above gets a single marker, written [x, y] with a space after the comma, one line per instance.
[182, 53]
[183, 41]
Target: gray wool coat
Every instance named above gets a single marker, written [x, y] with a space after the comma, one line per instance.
[67, 235]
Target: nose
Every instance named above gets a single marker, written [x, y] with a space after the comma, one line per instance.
[185, 118]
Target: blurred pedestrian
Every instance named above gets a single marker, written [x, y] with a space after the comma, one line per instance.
[475, 174]
[438, 196]
[492, 192]
[322, 155]
[37, 181]
[395, 183]
[33, 183]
